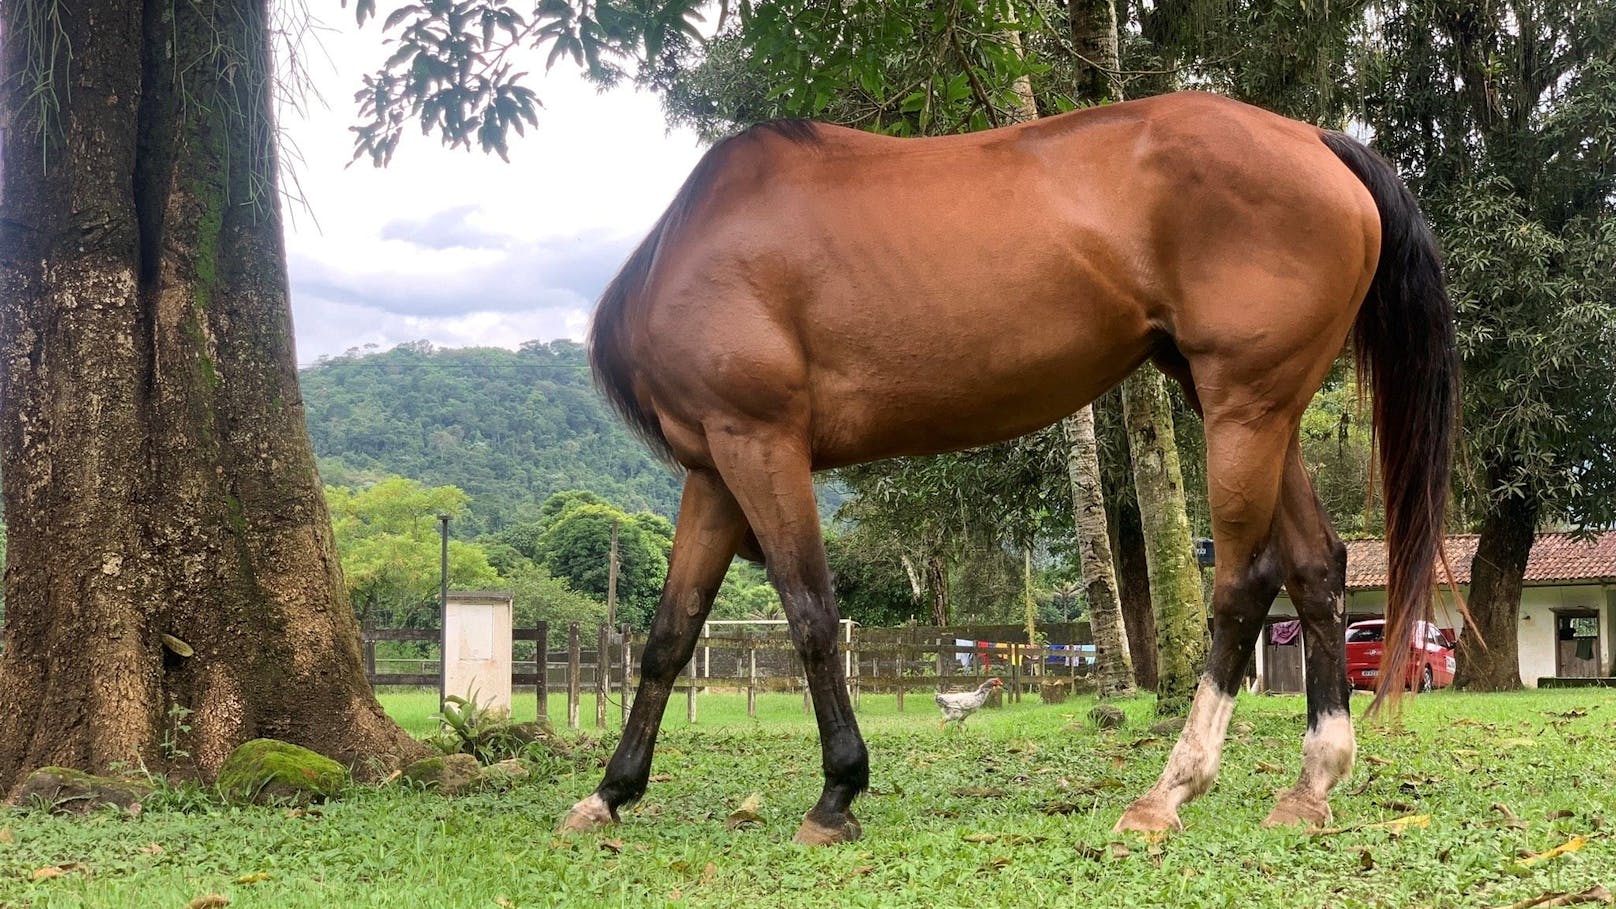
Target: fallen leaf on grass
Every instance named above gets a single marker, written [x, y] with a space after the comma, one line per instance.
[1396, 826]
[1406, 822]
[6, 836]
[152, 849]
[504, 903]
[1366, 859]
[50, 871]
[981, 837]
[1594, 894]
[708, 873]
[1266, 767]
[1565, 848]
[660, 777]
[257, 877]
[612, 846]
[1557, 815]
[981, 792]
[209, 901]
[1377, 760]
[750, 812]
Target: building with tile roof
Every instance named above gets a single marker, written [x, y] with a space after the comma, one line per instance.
[1567, 616]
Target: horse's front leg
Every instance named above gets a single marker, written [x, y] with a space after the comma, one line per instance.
[709, 531]
[768, 470]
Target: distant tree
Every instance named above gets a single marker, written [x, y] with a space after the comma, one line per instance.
[541, 597]
[871, 586]
[576, 546]
[388, 539]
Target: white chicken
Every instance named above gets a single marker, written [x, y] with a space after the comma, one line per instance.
[961, 704]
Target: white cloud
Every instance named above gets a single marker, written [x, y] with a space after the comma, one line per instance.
[460, 248]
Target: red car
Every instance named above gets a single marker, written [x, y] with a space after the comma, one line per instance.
[1430, 660]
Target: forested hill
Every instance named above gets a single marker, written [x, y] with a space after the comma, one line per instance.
[508, 427]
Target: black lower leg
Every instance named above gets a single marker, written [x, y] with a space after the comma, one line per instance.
[1237, 621]
[845, 759]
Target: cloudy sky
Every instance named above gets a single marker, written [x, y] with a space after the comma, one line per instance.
[455, 247]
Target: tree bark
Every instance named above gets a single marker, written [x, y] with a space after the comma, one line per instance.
[1175, 579]
[1133, 589]
[158, 476]
[1094, 38]
[1507, 530]
[1114, 668]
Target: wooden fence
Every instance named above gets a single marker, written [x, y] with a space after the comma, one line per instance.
[888, 660]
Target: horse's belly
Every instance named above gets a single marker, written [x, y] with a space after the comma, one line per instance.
[927, 385]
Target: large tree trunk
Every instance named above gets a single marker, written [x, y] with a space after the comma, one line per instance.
[1114, 669]
[1175, 579]
[158, 478]
[1493, 662]
[1133, 589]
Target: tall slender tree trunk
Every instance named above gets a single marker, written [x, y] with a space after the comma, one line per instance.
[1507, 531]
[158, 477]
[1175, 581]
[1114, 668]
[1133, 588]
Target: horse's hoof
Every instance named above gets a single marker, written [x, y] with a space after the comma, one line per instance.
[590, 814]
[814, 833]
[1302, 809]
[1148, 815]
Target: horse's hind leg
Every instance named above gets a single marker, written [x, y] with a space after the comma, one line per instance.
[1315, 574]
[710, 529]
[1246, 443]
[767, 468]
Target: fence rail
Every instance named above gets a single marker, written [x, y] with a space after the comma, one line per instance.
[887, 660]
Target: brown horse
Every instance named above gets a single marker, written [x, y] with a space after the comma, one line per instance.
[818, 296]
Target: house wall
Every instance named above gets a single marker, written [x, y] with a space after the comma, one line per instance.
[1537, 620]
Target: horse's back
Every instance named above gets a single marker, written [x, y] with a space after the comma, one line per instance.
[895, 296]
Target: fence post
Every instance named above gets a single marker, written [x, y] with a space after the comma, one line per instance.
[807, 697]
[573, 659]
[1015, 673]
[370, 654]
[628, 657]
[941, 656]
[690, 694]
[751, 680]
[542, 654]
[858, 676]
[603, 675]
[897, 672]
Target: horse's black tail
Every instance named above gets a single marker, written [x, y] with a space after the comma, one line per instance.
[609, 358]
[1407, 354]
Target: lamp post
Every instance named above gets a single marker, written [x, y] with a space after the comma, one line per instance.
[443, 609]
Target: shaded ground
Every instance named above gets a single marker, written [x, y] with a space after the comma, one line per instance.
[1016, 810]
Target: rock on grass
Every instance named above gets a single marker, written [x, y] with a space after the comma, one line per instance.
[68, 791]
[450, 774]
[270, 772]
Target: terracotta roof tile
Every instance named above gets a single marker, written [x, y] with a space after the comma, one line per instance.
[1555, 556]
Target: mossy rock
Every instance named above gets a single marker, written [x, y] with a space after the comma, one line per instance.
[1107, 717]
[66, 791]
[504, 774]
[450, 774]
[270, 772]
[1173, 725]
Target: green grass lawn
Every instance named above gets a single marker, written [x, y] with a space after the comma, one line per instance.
[1015, 810]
